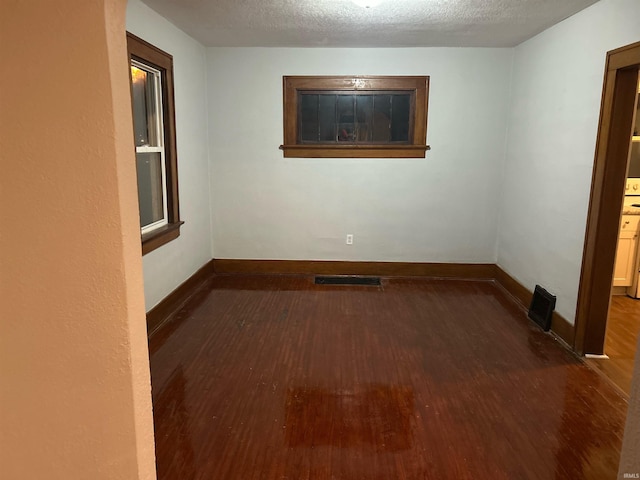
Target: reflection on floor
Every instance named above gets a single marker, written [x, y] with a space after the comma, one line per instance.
[273, 377]
[621, 341]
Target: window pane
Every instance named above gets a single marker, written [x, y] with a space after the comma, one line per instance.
[146, 122]
[150, 192]
[364, 117]
[401, 106]
[381, 131]
[346, 118]
[339, 117]
[309, 118]
[327, 118]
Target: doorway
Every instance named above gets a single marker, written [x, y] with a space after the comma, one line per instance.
[623, 323]
[607, 194]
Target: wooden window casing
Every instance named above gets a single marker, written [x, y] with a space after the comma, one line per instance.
[145, 53]
[349, 145]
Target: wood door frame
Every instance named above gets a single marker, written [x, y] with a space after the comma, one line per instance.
[607, 195]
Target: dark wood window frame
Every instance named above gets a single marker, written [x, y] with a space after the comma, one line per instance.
[415, 147]
[146, 53]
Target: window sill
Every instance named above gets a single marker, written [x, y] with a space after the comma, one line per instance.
[355, 151]
[159, 237]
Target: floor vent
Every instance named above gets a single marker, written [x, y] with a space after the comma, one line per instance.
[542, 306]
[346, 280]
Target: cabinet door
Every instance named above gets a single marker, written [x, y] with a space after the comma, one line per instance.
[625, 258]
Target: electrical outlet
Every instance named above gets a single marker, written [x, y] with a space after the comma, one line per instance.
[349, 239]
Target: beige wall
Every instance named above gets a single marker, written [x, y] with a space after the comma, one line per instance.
[75, 397]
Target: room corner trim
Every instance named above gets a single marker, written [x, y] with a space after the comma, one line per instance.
[163, 311]
[560, 326]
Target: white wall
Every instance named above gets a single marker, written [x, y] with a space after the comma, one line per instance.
[438, 209]
[464, 203]
[553, 122]
[170, 265]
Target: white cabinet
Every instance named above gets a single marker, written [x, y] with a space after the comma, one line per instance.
[626, 253]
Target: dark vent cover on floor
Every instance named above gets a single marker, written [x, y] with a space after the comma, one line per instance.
[542, 306]
[347, 280]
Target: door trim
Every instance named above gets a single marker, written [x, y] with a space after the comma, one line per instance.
[607, 194]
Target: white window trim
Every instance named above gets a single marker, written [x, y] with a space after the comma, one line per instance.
[159, 149]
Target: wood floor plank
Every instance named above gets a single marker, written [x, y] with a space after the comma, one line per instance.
[273, 377]
[623, 330]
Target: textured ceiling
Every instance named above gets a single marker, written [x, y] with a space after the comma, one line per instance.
[341, 23]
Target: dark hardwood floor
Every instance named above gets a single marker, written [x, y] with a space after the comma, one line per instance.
[273, 377]
[623, 327]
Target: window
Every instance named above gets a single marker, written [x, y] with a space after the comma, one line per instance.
[155, 143]
[355, 116]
